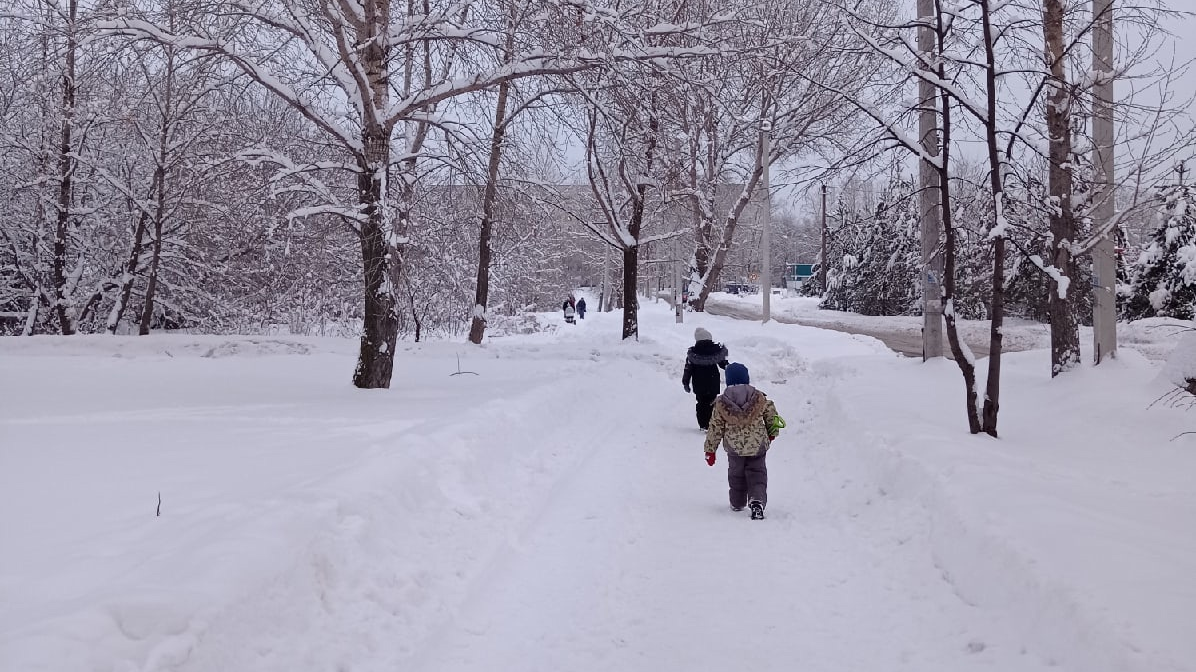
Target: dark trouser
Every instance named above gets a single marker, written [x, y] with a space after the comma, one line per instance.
[705, 408]
[748, 478]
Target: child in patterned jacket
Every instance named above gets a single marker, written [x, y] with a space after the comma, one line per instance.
[745, 421]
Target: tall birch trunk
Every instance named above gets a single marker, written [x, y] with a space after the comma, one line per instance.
[381, 264]
[963, 358]
[66, 171]
[1065, 332]
[992, 389]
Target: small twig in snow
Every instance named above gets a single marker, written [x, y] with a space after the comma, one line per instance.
[459, 371]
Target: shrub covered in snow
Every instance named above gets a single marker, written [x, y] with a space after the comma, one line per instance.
[875, 260]
[1180, 369]
[523, 323]
[1163, 280]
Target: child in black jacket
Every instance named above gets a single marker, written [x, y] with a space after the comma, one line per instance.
[702, 363]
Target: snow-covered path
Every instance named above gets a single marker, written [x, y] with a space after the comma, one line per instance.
[636, 563]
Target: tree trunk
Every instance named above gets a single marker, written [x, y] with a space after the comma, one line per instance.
[414, 313]
[478, 328]
[631, 325]
[31, 316]
[705, 197]
[966, 363]
[992, 390]
[720, 255]
[163, 155]
[381, 265]
[701, 260]
[151, 286]
[375, 361]
[66, 170]
[129, 275]
[1065, 332]
[702, 234]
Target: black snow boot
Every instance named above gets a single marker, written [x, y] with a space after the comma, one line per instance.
[757, 509]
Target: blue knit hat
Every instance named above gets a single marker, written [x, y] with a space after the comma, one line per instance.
[737, 374]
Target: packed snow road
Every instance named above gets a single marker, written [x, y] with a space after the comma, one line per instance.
[901, 338]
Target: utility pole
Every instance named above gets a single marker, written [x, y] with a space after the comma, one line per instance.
[604, 297]
[822, 257]
[1104, 265]
[765, 164]
[930, 202]
[678, 298]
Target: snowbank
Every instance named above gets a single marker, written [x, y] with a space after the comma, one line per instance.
[1078, 520]
[293, 506]
[1154, 337]
[173, 345]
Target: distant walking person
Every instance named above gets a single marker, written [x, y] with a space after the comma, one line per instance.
[702, 363]
[581, 308]
[745, 422]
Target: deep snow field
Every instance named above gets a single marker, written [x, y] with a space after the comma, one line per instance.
[549, 509]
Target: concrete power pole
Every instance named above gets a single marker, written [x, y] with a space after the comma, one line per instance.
[929, 201]
[678, 299]
[822, 257]
[766, 261]
[1104, 265]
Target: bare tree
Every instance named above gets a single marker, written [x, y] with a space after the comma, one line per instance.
[393, 66]
[718, 107]
[897, 42]
[51, 205]
[622, 165]
[171, 133]
[478, 325]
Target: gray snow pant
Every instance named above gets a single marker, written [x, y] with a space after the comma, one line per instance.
[748, 478]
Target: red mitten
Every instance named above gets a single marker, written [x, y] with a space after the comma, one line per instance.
[771, 439]
[710, 458]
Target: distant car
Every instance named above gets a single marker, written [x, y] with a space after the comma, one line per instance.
[740, 288]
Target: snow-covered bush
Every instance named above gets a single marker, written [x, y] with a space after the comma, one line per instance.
[1163, 280]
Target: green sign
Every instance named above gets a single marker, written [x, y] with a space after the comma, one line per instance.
[801, 271]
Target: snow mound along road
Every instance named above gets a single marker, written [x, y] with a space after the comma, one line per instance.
[172, 345]
[324, 515]
[1077, 527]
